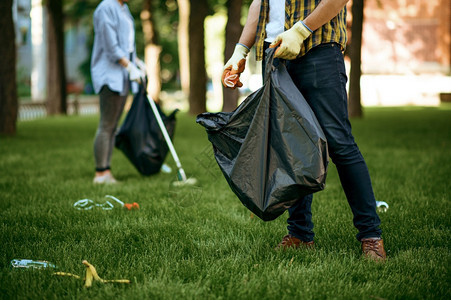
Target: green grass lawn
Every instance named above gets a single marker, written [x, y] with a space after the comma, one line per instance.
[201, 242]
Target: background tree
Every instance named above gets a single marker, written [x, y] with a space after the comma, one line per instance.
[56, 70]
[80, 12]
[183, 44]
[166, 17]
[198, 76]
[232, 35]
[8, 86]
[355, 54]
[152, 50]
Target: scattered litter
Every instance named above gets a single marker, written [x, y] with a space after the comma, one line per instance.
[128, 206]
[66, 274]
[166, 169]
[382, 206]
[91, 275]
[34, 264]
[86, 204]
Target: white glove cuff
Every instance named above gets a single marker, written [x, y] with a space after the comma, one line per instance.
[243, 50]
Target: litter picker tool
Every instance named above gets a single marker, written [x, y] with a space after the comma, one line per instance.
[128, 206]
[181, 176]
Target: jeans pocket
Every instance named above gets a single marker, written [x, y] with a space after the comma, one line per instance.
[327, 68]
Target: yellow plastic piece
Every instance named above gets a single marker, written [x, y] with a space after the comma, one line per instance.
[91, 276]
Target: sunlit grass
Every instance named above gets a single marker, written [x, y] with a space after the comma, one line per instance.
[200, 242]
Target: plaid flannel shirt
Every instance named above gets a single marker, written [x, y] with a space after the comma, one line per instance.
[296, 10]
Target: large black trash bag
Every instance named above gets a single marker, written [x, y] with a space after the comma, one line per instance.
[140, 137]
[271, 149]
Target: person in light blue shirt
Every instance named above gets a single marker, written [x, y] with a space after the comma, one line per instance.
[114, 73]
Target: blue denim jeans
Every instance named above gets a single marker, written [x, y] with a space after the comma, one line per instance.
[321, 77]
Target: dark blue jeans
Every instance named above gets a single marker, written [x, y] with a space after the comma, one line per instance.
[321, 77]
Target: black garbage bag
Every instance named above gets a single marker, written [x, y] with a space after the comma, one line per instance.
[140, 137]
[271, 148]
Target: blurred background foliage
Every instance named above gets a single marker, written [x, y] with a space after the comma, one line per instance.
[166, 17]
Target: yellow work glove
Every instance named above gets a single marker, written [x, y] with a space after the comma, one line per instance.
[234, 67]
[290, 41]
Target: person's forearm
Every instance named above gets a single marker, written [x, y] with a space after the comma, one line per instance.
[323, 13]
[250, 28]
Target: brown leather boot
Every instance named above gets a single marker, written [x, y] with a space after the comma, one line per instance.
[290, 241]
[373, 248]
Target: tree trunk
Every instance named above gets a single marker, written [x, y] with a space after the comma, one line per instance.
[355, 53]
[232, 35]
[8, 87]
[198, 79]
[56, 72]
[152, 51]
[183, 44]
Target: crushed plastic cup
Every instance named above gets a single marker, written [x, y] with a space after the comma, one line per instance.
[29, 263]
[382, 206]
[87, 204]
[231, 80]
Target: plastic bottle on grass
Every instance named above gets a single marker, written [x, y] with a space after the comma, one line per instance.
[29, 263]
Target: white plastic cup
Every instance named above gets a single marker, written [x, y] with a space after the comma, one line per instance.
[382, 206]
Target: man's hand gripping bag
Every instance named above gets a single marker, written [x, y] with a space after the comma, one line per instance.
[271, 148]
